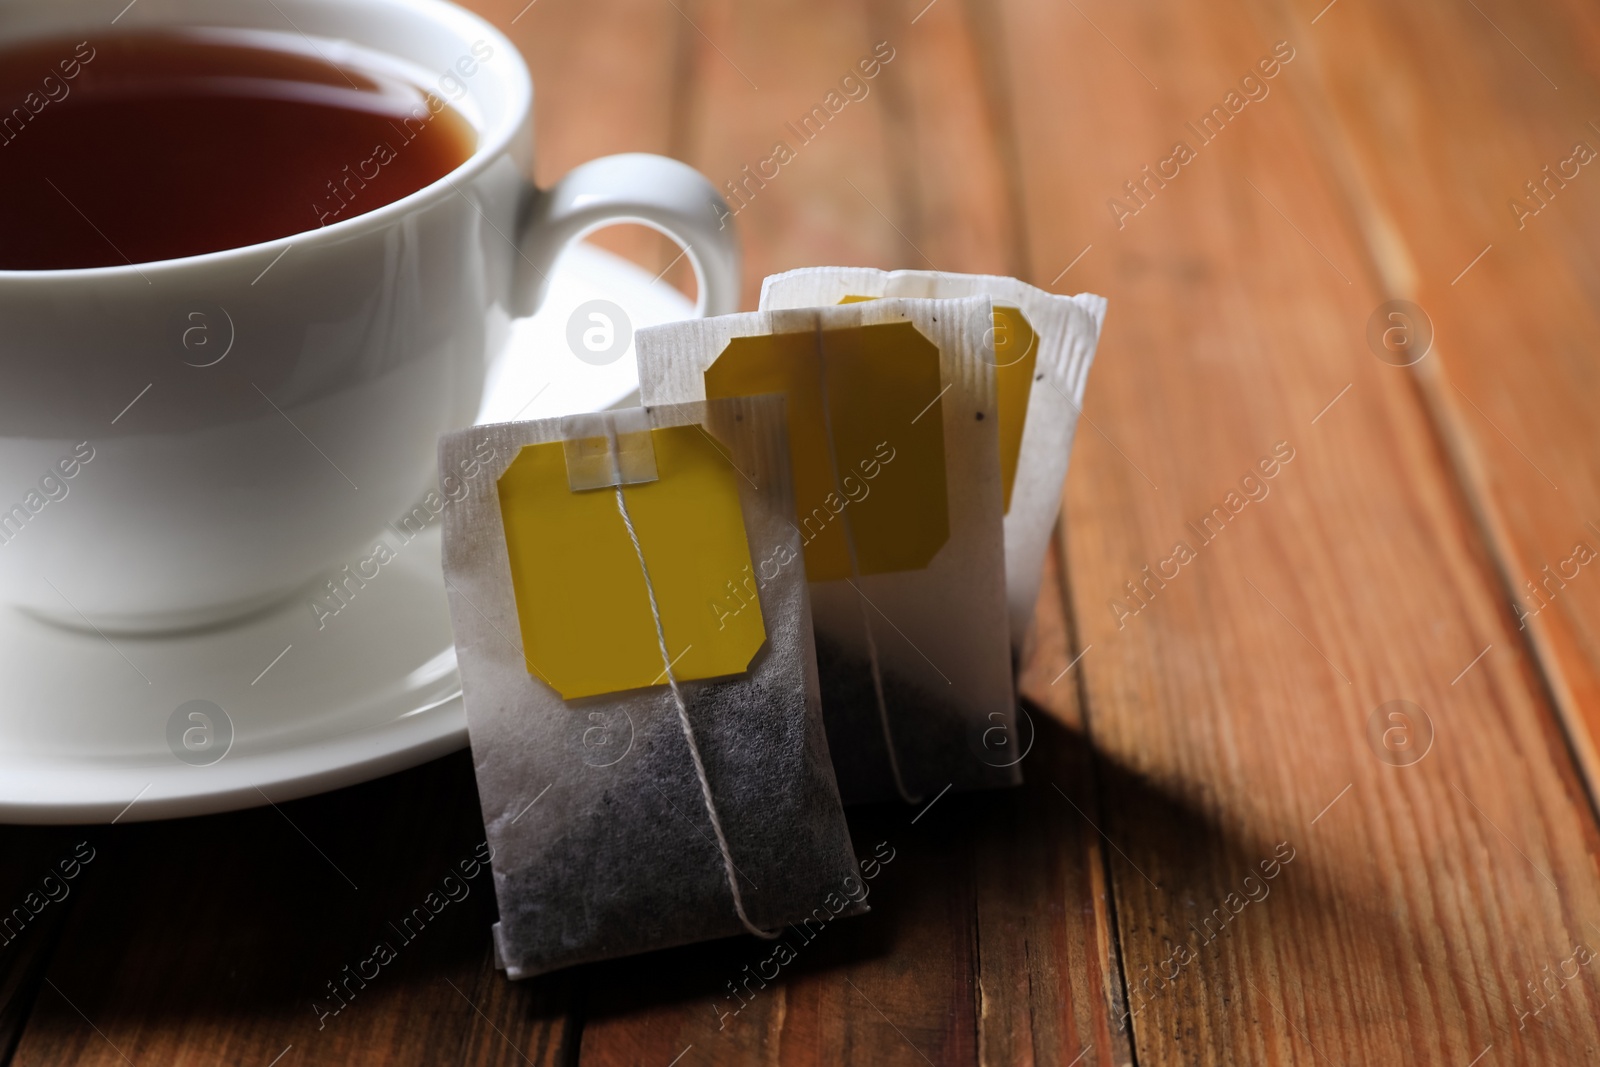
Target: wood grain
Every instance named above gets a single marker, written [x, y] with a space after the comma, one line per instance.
[1511, 378]
[1050, 979]
[1232, 706]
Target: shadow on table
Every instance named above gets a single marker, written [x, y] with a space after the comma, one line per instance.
[263, 909]
[959, 860]
[249, 932]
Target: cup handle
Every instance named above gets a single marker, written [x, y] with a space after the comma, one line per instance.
[658, 192]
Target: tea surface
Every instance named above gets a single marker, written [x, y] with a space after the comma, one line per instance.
[153, 145]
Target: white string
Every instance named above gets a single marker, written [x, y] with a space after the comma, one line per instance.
[877, 689]
[855, 579]
[688, 731]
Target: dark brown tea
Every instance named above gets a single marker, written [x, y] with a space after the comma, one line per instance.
[143, 146]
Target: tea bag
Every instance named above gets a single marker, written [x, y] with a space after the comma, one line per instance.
[895, 459]
[640, 681]
[1043, 343]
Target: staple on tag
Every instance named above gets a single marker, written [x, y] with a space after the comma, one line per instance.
[608, 448]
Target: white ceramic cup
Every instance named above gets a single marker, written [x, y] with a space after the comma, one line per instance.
[153, 477]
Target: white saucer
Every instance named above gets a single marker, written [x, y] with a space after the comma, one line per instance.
[85, 723]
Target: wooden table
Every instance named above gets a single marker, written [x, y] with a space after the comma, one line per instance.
[1193, 734]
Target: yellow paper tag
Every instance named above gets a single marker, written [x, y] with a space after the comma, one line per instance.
[1016, 354]
[866, 440]
[581, 601]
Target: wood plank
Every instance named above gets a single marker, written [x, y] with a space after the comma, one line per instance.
[1050, 980]
[214, 939]
[1231, 703]
[945, 146]
[1510, 380]
[757, 76]
[606, 79]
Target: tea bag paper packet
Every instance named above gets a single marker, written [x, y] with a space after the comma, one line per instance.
[643, 708]
[1044, 343]
[891, 412]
